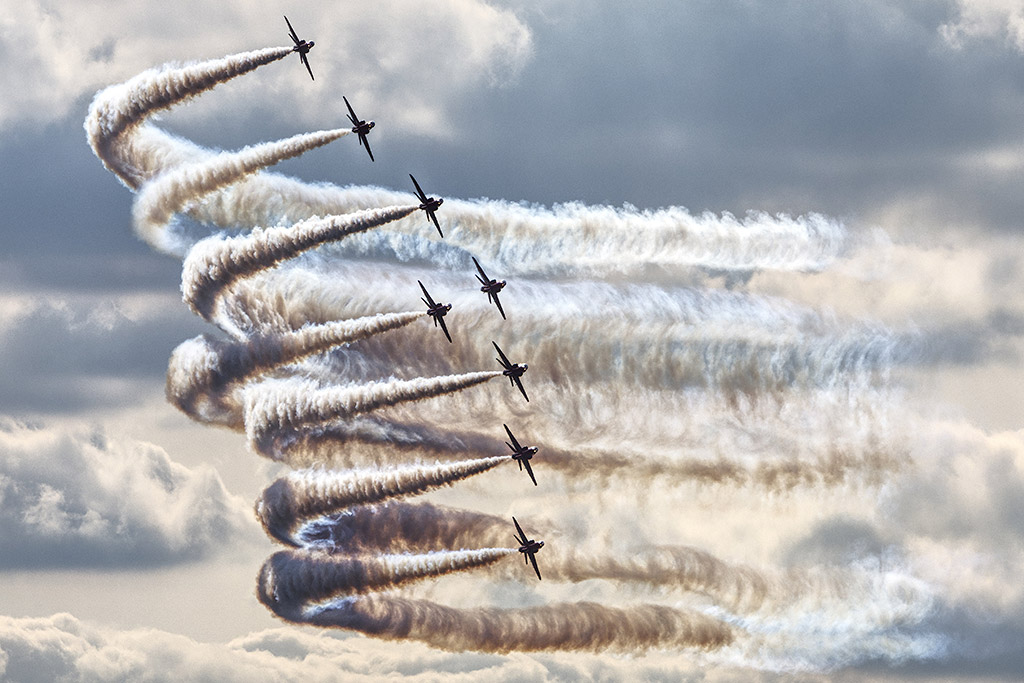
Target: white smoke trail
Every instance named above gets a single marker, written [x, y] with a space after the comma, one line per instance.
[172, 192]
[304, 495]
[203, 372]
[216, 262]
[289, 404]
[118, 109]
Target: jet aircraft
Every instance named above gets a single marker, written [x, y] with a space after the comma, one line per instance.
[528, 547]
[522, 454]
[301, 46]
[491, 287]
[360, 127]
[429, 205]
[436, 311]
[512, 370]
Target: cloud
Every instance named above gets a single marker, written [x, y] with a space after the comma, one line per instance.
[67, 352]
[77, 497]
[56, 53]
[986, 19]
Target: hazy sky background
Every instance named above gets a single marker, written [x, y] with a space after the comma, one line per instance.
[900, 119]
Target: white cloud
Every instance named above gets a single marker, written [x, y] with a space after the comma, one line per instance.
[75, 497]
[980, 19]
[399, 57]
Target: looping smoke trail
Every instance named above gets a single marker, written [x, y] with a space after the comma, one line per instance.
[289, 404]
[215, 262]
[203, 372]
[349, 524]
[119, 108]
[579, 626]
[303, 495]
[170, 192]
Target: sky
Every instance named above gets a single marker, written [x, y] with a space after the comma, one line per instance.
[764, 260]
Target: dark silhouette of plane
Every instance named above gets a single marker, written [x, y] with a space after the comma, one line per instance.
[301, 46]
[512, 370]
[361, 128]
[528, 547]
[492, 287]
[436, 311]
[429, 205]
[522, 454]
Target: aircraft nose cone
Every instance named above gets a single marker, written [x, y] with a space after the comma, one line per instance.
[525, 367]
[311, 43]
[372, 124]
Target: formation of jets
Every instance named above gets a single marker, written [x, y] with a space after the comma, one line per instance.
[514, 371]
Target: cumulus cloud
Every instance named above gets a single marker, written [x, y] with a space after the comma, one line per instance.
[77, 497]
[56, 53]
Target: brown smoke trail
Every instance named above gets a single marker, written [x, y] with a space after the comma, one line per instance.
[303, 576]
[305, 495]
[116, 110]
[170, 192]
[580, 626]
[203, 372]
[216, 262]
[407, 528]
[291, 404]
[833, 468]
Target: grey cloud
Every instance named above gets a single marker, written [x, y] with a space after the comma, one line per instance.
[61, 355]
[77, 498]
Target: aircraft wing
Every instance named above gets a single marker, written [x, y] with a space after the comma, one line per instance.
[306, 62]
[437, 225]
[498, 304]
[484, 279]
[430, 299]
[515, 444]
[363, 140]
[529, 470]
[351, 114]
[520, 385]
[419, 190]
[520, 530]
[444, 328]
[503, 360]
[291, 31]
[533, 560]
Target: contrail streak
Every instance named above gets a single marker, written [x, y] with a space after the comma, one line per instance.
[580, 626]
[170, 192]
[118, 108]
[308, 494]
[203, 372]
[290, 404]
[216, 262]
[293, 577]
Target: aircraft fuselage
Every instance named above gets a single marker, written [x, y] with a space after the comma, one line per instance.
[516, 370]
[531, 547]
[493, 287]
